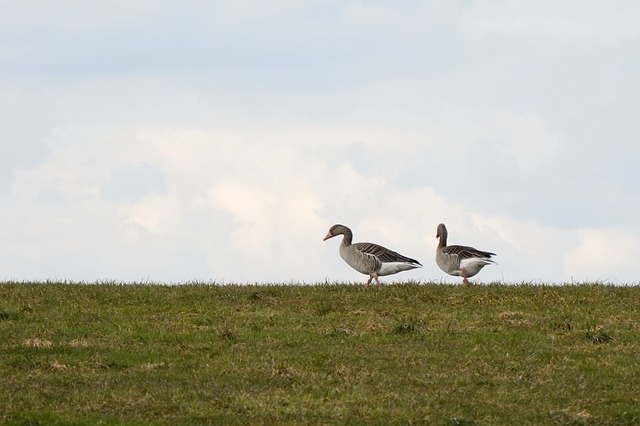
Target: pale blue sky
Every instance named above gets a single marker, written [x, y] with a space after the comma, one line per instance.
[216, 140]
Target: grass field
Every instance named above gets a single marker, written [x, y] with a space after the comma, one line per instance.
[412, 353]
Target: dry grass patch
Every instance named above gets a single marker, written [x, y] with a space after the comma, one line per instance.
[78, 343]
[515, 318]
[38, 343]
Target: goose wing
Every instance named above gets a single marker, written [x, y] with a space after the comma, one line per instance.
[384, 254]
[465, 252]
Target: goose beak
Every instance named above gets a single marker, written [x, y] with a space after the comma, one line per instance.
[329, 235]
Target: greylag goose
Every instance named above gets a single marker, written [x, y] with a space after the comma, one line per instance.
[460, 261]
[368, 258]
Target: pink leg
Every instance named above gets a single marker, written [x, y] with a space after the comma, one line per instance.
[464, 277]
[368, 282]
[378, 281]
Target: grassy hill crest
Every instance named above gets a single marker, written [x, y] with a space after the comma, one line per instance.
[319, 354]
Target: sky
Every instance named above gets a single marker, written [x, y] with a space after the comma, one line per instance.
[218, 141]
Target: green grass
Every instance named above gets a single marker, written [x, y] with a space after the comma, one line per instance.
[327, 354]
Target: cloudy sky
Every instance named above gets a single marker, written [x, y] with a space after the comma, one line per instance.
[171, 141]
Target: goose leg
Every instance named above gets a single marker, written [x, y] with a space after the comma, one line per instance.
[378, 282]
[368, 282]
[464, 277]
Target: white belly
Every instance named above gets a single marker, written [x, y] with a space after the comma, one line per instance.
[395, 267]
[473, 266]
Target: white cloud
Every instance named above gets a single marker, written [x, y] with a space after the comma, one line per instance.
[607, 254]
[152, 214]
[263, 220]
[527, 250]
[572, 21]
[254, 201]
[520, 137]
